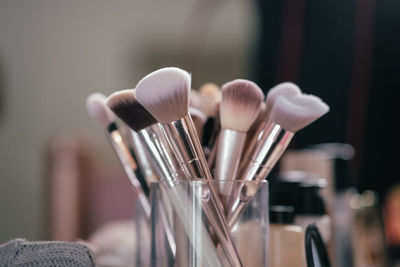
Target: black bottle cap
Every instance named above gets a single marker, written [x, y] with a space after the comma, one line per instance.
[281, 214]
[300, 190]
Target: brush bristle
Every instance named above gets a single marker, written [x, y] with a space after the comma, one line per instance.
[285, 89]
[165, 93]
[240, 104]
[294, 113]
[211, 95]
[97, 109]
[124, 104]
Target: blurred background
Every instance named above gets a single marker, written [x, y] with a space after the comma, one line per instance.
[53, 54]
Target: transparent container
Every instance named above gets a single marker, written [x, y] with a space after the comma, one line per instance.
[184, 208]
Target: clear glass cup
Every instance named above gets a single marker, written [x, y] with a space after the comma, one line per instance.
[183, 208]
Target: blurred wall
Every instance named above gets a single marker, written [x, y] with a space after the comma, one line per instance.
[54, 53]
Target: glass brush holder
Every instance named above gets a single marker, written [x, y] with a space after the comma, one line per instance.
[182, 208]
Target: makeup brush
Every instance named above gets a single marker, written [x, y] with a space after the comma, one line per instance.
[239, 108]
[165, 94]
[211, 97]
[210, 94]
[96, 106]
[199, 119]
[289, 114]
[128, 109]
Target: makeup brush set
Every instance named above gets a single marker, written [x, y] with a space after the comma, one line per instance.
[210, 136]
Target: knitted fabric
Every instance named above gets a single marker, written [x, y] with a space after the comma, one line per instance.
[22, 253]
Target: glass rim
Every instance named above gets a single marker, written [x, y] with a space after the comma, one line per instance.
[200, 181]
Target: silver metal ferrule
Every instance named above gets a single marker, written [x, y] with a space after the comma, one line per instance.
[129, 165]
[264, 152]
[262, 155]
[230, 147]
[142, 158]
[162, 158]
[185, 142]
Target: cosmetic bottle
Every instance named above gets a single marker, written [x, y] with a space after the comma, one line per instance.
[286, 239]
[311, 207]
[302, 190]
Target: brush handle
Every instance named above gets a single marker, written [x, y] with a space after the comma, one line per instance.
[182, 136]
[230, 147]
[142, 159]
[262, 155]
[160, 155]
[129, 166]
[166, 166]
[129, 156]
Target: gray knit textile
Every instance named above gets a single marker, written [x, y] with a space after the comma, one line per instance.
[22, 253]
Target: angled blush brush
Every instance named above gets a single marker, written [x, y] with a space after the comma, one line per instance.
[128, 109]
[289, 114]
[165, 94]
[96, 105]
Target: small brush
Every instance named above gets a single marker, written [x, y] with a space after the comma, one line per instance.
[165, 94]
[199, 119]
[211, 98]
[210, 94]
[128, 109]
[96, 106]
[289, 114]
[238, 110]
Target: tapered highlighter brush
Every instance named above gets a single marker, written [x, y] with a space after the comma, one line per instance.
[282, 89]
[239, 108]
[165, 94]
[97, 109]
[289, 114]
[128, 109]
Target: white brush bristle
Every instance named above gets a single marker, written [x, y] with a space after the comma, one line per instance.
[240, 104]
[98, 110]
[165, 93]
[211, 96]
[285, 89]
[294, 113]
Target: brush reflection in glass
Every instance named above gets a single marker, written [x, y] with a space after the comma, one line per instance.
[250, 234]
